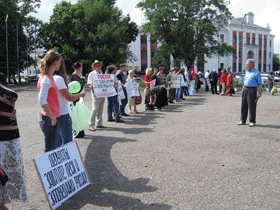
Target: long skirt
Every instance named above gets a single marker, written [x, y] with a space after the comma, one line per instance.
[11, 162]
[162, 98]
[191, 89]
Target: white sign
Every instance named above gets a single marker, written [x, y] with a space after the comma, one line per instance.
[132, 89]
[176, 82]
[153, 83]
[103, 85]
[120, 91]
[62, 173]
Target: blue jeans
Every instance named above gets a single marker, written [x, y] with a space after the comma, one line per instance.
[50, 133]
[177, 95]
[64, 129]
[113, 104]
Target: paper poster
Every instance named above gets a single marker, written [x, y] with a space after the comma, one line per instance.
[103, 85]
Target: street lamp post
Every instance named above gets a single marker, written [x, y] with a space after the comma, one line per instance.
[242, 41]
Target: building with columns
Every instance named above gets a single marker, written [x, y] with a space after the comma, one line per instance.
[248, 39]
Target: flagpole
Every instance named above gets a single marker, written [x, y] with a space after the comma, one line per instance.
[19, 79]
[7, 50]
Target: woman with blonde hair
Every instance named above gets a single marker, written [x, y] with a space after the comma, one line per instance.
[49, 100]
[64, 121]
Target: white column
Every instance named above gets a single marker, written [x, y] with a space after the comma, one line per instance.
[149, 51]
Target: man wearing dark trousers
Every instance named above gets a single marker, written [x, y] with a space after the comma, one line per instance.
[250, 95]
[122, 78]
[213, 80]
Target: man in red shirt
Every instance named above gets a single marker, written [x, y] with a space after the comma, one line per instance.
[229, 83]
[223, 82]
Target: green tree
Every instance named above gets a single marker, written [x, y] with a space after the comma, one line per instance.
[89, 30]
[276, 62]
[187, 27]
[18, 12]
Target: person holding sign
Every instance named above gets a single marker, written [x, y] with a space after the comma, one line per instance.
[97, 103]
[113, 103]
[49, 100]
[65, 122]
[131, 101]
[124, 101]
[15, 187]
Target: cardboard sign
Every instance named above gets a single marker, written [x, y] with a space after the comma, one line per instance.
[153, 83]
[121, 94]
[132, 89]
[62, 173]
[104, 85]
[176, 81]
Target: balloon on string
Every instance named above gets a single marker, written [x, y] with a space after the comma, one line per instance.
[74, 87]
[80, 115]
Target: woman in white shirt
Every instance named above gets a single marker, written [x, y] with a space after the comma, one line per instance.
[65, 122]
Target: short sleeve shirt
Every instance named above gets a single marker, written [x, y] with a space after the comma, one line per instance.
[64, 104]
[252, 78]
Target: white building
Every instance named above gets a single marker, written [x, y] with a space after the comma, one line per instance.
[248, 39]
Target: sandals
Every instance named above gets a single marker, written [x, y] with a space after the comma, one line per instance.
[91, 129]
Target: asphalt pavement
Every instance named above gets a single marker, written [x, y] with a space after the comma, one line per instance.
[191, 155]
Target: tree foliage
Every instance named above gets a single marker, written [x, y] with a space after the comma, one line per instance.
[187, 27]
[89, 30]
[18, 12]
[276, 62]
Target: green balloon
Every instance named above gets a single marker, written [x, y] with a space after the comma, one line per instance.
[80, 115]
[74, 87]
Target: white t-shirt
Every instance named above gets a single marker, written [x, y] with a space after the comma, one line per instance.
[91, 77]
[43, 94]
[64, 104]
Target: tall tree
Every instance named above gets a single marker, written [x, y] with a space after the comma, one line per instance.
[89, 30]
[187, 27]
[18, 12]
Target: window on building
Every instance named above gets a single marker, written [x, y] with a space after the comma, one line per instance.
[250, 55]
[144, 54]
[260, 67]
[247, 40]
[234, 67]
[268, 67]
[222, 38]
[143, 39]
[240, 67]
[143, 67]
[269, 43]
[264, 54]
[240, 39]
[253, 41]
[260, 42]
[234, 39]
[265, 42]
[260, 54]
[269, 55]
[264, 67]
[240, 53]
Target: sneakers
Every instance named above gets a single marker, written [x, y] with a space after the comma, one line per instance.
[252, 124]
[241, 123]
[124, 114]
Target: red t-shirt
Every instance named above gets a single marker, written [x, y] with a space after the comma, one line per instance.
[229, 80]
[223, 78]
[148, 78]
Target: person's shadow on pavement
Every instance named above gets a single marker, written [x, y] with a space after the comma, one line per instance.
[105, 177]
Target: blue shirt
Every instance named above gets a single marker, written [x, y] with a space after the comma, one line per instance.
[252, 78]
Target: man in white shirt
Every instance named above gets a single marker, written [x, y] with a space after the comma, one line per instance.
[97, 103]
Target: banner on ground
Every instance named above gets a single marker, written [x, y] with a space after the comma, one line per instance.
[62, 173]
[176, 81]
[132, 89]
[103, 85]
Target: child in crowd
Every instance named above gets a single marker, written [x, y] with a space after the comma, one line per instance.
[151, 97]
[131, 101]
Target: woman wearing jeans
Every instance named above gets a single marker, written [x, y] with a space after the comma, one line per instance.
[65, 122]
[48, 99]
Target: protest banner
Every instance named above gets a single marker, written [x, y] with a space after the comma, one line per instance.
[132, 89]
[153, 83]
[62, 173]
[121, 94]
[103, 85]
[176, 81]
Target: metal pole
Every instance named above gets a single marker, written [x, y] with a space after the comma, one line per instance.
[7, 49]
[27, 52]
[19, 79]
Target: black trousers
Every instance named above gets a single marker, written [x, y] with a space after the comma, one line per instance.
[214, 87]
[249, 102]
